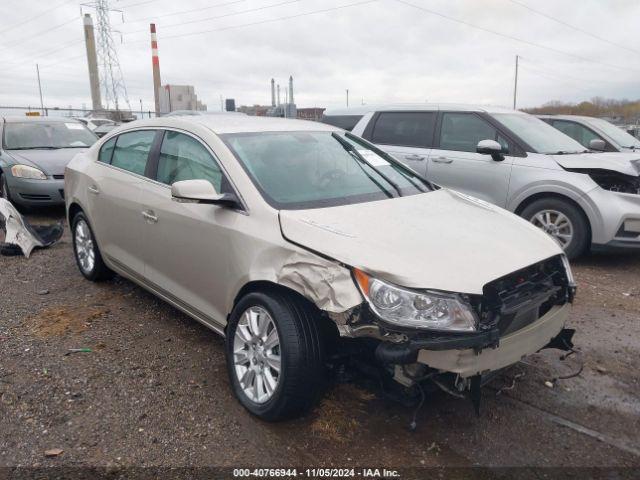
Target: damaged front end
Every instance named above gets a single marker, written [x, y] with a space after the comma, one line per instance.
[516, 315]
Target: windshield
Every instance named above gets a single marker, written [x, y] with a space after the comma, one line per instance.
[34, 135]
[298, 170]
[618, 135]
[540, 136]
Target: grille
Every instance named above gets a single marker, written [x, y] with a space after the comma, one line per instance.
[520, 298]
[31, 196]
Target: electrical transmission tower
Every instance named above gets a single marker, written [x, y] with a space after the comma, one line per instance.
[111, 78]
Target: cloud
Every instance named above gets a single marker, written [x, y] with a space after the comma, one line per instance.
[383, 51]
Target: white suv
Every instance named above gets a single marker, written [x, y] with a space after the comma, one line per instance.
[518, 162]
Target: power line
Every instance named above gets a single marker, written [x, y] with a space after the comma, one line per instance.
[250, 10]
[262, 22]
[37, 34]
[510, 37]
[577, 29]
[155, 17]
[15, 25]
[46, 53]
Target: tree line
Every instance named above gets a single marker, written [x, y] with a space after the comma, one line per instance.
[626, 110]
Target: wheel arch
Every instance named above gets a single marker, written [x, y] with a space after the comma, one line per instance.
[267, 286]
[546, 195]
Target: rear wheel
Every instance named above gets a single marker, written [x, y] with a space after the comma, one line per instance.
[275, 355]
[563, 221]
[85, 248]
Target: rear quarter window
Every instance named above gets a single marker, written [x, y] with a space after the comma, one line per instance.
[106, 151]
[346, 122]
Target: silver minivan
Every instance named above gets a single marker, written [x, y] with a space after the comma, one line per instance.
[511, 159]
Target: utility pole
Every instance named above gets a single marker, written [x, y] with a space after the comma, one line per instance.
[92, 62]
[515, 85]
[155, 63]
[347, 98]
[40, 88]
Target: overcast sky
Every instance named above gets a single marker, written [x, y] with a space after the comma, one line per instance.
[382, 51]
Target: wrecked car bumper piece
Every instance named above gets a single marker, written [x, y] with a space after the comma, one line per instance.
[511, 349]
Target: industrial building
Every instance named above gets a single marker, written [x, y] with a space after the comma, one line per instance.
[179, 97]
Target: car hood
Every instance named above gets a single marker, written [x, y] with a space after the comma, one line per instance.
[51, 162]
[627, 163]
[441, 240]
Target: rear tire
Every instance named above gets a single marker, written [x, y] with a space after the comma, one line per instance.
[86, 251]
[563, 221]
[301, 378]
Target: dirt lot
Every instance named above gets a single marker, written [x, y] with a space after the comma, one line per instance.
[153, 391]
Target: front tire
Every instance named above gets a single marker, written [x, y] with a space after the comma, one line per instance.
[4, 188]
[275, 355]
[563, 221]
[86, 251]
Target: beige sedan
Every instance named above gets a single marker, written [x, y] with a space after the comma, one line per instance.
[305, 246]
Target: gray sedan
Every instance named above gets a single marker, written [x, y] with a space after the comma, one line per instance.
[33, 156]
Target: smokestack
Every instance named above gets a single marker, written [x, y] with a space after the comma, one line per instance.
[92, 62]
[273, 92]
[291, 90]
[278, 94]
[155, 63]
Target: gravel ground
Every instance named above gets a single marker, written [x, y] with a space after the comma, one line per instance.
[153, 391]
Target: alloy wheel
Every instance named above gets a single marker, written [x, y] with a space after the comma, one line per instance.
[256, 354]
[556, 224]
[85, 250]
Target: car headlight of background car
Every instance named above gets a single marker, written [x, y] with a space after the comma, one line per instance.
[25, 171]
[417, 309]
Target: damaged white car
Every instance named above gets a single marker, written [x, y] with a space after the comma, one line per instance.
[307, 247]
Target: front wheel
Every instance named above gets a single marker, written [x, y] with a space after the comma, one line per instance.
[563, 221]
[275, 355]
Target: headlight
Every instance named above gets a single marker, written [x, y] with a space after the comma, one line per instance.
[567, 268]
[25, 171]
[421, 310]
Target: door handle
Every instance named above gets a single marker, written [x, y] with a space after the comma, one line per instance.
[443, 160]
[93, 189]
[149, 216]
[414, 157]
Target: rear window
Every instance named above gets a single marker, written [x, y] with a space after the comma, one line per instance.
[346, 122]
[408, 129]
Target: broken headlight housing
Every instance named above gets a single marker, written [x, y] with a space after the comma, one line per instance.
[426, 310]
[25, 171]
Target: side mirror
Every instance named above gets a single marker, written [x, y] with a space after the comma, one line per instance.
[597, 144]
[490, 147]
[201, 191]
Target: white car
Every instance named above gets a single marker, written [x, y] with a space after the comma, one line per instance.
[305, 247]
[594, 133]
[518, 162]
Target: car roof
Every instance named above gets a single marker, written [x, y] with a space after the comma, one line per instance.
[427, 107]
[221, 124]
[568, 117]
[19, 119]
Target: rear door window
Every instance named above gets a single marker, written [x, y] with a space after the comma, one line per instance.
[182, 157]
[132, 151]
[407, 129]
[461, 132]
